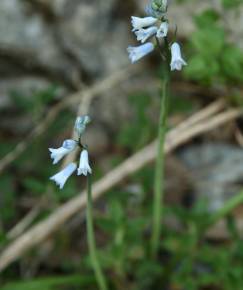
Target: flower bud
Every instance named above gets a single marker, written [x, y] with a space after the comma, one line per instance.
[81, 123]
[159, 6]
[155, 6]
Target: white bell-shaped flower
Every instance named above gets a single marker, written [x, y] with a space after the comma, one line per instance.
[176, 59]
[67, 147]
[144, 34]
[84, 167]
[61, 177]
[163, 30]
[138, 23]
[138, 52]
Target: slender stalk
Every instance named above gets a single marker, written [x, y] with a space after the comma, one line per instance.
[159, 176]
[226, 209]
[159, 169]
[91, 239]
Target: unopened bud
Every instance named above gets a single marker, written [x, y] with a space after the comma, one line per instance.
[160, 6]
[81, 123]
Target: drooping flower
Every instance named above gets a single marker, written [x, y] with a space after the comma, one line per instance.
[144, 34]
[84, 167]
[176, 59]
[138, 23]
[163, 30]
[138, 52]
[67, 147]
[61, 177]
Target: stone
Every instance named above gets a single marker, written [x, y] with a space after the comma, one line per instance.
[96, 40]
[216, 170]
[29, 38]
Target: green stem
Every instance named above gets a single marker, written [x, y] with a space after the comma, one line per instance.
[226, 209]
[159, 170]
[91, 239]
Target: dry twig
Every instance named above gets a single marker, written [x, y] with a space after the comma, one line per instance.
[203, 114]
[20, 227]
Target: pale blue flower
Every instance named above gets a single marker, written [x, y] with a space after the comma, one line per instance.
[84, 167]
[67, 147]
[61, 177]
[163, 30]
[138, 23]
[138, 52]
[144, 34]
[176, 59]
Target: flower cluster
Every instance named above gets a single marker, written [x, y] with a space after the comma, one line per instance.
[155, 26]
[67, 147]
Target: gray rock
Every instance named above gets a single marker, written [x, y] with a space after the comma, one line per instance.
[217, 171]
[26, 37]
[96, 40]
[83, 37]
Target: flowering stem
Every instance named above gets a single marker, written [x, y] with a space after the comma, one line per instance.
[91, 239]
[159, 168]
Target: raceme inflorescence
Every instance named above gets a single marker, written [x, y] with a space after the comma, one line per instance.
[152, 32]
[154, 27]
[84, 168]
[67, 147]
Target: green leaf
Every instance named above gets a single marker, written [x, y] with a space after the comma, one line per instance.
[51, 283]
[207, 18]
[231, 3]
[202, 69]
[34, 185]
[232, 63]
[209, 41]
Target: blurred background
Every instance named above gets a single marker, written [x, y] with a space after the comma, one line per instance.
[63, 58]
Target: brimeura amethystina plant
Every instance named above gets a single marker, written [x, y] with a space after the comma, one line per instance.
[84, 169]
[155, 27]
